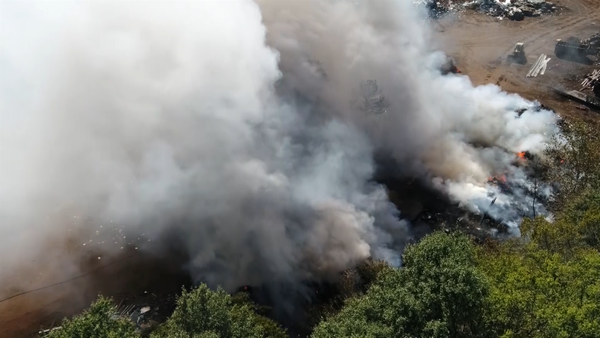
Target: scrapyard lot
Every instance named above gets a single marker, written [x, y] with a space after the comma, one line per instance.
[479, 43]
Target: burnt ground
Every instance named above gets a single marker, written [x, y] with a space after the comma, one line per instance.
[478, 43]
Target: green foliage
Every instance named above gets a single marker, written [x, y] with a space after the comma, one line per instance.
[351, 283]
[97, 322]
[543, 285]
[583, 214]
[439, 293]
[538, 293]
[548, 283]
[204, 313]
[577, 227]
[369, 271]
[575, 159]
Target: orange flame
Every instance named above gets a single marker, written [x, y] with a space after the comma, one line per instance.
[521, 155]
[500, 179]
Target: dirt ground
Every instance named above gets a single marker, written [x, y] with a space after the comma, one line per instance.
[480, 44]
[477, 42]
[131, 277]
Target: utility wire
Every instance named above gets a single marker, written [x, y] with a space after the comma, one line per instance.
[68, 280]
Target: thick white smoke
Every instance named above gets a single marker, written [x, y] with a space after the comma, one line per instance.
[439, 127]
[235, 125]
[164, 116]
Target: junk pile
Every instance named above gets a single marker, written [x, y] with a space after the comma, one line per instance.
[513, 9]
[592, 81]
[578, 50]
[436, 8]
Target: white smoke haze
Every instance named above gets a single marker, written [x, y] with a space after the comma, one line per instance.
[234, 124]
[439, 127]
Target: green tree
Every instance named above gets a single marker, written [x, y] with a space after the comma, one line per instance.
[575, 160]
[539, 293]
[438, 293]
[203, 313]
[584, 214]
[577, 226]
[98, 321]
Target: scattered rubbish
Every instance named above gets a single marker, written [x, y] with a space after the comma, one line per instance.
[46, 332]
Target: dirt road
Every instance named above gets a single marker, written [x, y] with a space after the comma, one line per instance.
[480, 45]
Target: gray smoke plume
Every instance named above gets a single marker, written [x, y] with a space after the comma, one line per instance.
[441, 128]
[164, 117]
[236, 125]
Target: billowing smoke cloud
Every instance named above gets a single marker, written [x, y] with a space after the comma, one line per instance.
[438, 127]
[164, 117]
[236, 125]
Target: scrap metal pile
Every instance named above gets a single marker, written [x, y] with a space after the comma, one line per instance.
[578, 50]
[592, 81]
[513, 9]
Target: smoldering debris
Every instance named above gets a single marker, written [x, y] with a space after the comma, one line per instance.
[252, 156]
[162, 135]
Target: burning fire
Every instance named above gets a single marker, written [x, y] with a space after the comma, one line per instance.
[521, 155]
[500, 179]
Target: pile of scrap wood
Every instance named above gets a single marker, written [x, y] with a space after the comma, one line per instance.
[591, 80]
[539, 67]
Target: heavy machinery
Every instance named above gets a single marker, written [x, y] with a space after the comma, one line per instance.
[518, 55]
[577, 50]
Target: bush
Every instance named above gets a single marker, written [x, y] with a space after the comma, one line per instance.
[97, 322]
[538, 293]
[439, 293]
[204, 313]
